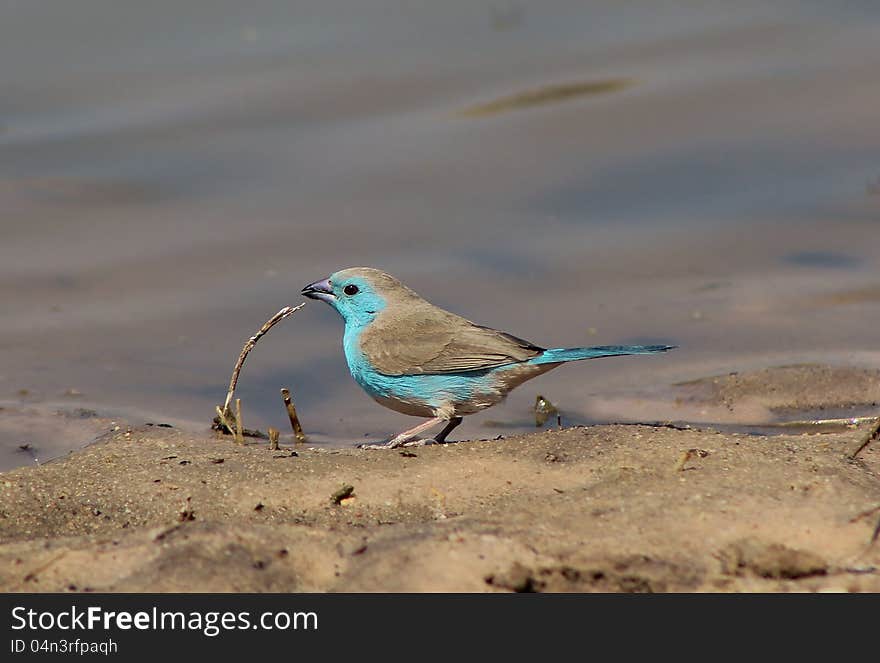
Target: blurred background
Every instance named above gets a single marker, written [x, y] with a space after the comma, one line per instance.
[576, 173]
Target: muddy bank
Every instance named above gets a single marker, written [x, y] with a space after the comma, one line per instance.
[781, 392]
[603, 508]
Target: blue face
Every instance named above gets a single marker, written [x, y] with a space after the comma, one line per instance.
[353, 297]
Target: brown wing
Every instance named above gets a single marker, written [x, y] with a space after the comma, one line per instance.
[427, 339]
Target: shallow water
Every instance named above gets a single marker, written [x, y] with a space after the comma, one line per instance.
[171, 174]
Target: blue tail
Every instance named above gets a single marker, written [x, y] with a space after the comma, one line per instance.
[557, 355]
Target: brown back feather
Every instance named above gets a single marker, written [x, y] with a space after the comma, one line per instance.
[411, 336]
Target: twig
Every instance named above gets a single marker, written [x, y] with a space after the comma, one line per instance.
[274, 433]
[229, 428]
[222, 419]
[239, 437]
[252, 341]
[688, 455]
[872, 436]
[864, 514]
[291, 414]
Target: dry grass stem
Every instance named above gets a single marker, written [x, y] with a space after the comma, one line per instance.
[239, 429]
[224, 413]
[291, 413]
[689, 455]
[872, 436]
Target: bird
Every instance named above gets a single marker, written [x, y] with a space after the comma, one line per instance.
[421, 360]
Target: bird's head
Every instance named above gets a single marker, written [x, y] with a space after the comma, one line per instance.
[358, 293]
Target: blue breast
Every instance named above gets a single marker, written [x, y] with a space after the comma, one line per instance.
[433, 391]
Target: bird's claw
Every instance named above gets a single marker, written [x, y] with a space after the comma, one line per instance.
[419, 442]
[395, 443]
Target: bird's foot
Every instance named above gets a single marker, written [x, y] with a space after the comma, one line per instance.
[381, 445]
[410, 438]
[395, 443]
[418, 442]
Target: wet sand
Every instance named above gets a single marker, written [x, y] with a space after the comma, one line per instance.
[631, 508]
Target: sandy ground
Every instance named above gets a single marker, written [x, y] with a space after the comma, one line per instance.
[633, 508]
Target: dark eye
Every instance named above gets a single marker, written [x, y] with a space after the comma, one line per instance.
[350, 289]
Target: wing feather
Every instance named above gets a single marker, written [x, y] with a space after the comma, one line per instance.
[429, 340]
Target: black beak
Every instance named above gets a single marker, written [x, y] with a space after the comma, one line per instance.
[321, 290]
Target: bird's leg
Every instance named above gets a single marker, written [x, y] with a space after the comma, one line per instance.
[440, 438]
[401, 438]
